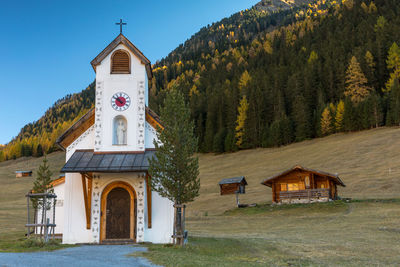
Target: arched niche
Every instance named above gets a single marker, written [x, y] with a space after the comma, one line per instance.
[120, 130]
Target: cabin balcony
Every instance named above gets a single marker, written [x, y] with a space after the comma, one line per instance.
[305, 196]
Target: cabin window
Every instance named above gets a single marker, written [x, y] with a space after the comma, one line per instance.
[293, 186]
[120, 62]
[120, 130]
[283, 187]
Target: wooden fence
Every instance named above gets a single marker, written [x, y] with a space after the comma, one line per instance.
[305, 194]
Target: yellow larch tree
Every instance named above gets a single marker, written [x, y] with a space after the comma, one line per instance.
[244, 80]
[339, 116]
[326, 122]
[240, 121]
[356, 83]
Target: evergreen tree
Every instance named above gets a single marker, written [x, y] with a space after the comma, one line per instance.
[42, 184]
[174, 170]
[43, 178]
[393, 64]
[349, 115]
[357, 84]
[393, 112]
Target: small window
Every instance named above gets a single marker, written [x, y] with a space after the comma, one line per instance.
[120, 63]
[283, 187]
[293, 186]
[120, 131]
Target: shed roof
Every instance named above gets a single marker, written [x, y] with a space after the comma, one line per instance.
[88, 161]
[234, 180]
[334, 177]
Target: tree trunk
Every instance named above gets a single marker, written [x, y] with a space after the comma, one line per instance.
[179, 225]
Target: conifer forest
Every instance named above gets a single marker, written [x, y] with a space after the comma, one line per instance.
[265, 78]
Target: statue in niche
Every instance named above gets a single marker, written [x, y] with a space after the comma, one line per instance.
[120, 131]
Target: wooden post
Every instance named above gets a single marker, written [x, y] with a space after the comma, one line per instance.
[85, 200]
[174, 230]
[149, 199]
[45, 217]
[27, 198]
[54, 216]
[178, 225]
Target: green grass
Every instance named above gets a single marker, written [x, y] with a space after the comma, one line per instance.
[357, 233]
[13, 202]
[363, 232]
[325, 207]
[223, 252]
[17, 242]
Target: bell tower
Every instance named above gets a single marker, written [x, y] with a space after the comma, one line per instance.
[122, 74]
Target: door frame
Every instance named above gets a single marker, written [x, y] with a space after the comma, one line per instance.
[103, 214]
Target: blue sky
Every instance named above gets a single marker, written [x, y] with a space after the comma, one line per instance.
[47, 46]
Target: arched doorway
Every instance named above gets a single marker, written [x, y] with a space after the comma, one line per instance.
[118, 212]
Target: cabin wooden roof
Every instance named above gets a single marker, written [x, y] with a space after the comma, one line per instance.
[334, 177]
[87, 120]
[121, 39]
[89, 161]
[234, 180]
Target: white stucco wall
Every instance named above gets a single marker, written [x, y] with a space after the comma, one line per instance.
[59, 218]
[134, 85]
[150, 136]
[74, 226]
[162, 220]
[59, 191]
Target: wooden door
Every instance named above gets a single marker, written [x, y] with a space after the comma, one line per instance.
[118, 214]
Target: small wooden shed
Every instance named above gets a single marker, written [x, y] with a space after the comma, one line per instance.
[233, 185]
[20, 174]
[303, 185]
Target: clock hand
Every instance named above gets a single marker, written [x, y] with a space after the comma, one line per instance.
[119, 100]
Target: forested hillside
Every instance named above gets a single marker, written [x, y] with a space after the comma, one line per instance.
[39, 137]
[329, 68]
[268, 76]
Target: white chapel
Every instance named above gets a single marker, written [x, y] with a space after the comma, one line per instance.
[106, 195]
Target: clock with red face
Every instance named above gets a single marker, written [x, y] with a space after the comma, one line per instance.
[120, 101]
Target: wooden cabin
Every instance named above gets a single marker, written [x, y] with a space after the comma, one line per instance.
[233, 185]
[20, 174]
[303, 185]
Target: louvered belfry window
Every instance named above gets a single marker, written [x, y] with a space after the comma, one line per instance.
[120, 62]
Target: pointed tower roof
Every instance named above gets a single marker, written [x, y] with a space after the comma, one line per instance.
[121, 39]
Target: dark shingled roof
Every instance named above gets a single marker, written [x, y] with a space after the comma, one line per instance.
[88, 161]
[234, 180]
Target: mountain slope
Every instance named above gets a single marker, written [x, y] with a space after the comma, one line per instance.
[286, 77]
[284, 67]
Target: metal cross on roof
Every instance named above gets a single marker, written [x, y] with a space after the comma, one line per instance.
[120, 23]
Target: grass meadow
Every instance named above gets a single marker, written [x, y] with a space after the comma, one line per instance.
[362, 232]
